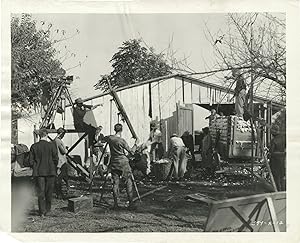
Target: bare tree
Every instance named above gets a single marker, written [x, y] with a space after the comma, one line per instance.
[255, 43]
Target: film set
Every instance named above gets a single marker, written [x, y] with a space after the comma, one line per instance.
[148, 123]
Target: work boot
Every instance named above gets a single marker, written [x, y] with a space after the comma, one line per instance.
[132, 206]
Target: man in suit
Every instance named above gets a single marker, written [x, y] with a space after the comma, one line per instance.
[43, 158]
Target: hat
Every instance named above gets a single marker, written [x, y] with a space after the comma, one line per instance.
[153, 124]
[60, 130]
[79, 101]
[174, 135]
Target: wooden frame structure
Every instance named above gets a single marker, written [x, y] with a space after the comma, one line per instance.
[257, 213]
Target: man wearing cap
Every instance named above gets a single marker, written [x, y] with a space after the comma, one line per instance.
[62, 171]
[79, 112]
[43, 159]
[177, 153]
[119, 164]
[277, 157]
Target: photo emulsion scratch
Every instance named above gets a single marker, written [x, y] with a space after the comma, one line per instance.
[148, 122]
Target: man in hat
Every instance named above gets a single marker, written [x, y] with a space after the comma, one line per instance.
[177, 153]
[62, 171]
[79, 111]
[119, 164]
[44, 159]
[155, 139]
[277, 157]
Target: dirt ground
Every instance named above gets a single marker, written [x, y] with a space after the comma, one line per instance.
[166, 210]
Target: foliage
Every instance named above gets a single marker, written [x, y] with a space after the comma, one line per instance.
[133, 63]
[33, 63]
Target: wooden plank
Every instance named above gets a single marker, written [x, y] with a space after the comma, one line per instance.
[66, 130]
[123, 112]
[150, 192]
[227, 215]
[250, 199]
[273, 216]
[200, 198]
[77, 142]
[242, 218]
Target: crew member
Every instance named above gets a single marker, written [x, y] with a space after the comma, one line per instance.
[239, 92]
[79, 111]
[206, 148]
[43, 158]
[177, 153]
[99, 149]
[62, 167]
[277, 157]
[213, 115]
[155, 138]
[119, 165]
[188, 141]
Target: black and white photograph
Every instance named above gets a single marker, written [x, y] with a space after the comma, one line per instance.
[159, 121]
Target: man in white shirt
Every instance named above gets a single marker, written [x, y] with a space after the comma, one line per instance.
[155, 139]
[177, 153]
[62, 171]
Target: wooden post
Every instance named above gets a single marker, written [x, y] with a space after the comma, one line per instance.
[110, 117]
[252, 107]
[91, 165]
[35, 137]
[273, 215]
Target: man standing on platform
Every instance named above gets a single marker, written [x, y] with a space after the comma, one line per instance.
[43, 158]
[119, 165]
[79, 112]
[239, 92]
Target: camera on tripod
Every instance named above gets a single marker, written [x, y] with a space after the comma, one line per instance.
[68, 79]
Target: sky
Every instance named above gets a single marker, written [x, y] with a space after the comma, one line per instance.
[100, 35]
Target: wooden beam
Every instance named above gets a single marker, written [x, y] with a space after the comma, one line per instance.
[273, 215]
[67, 131]
[122, 111]
[76, 143]
[150, 192]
